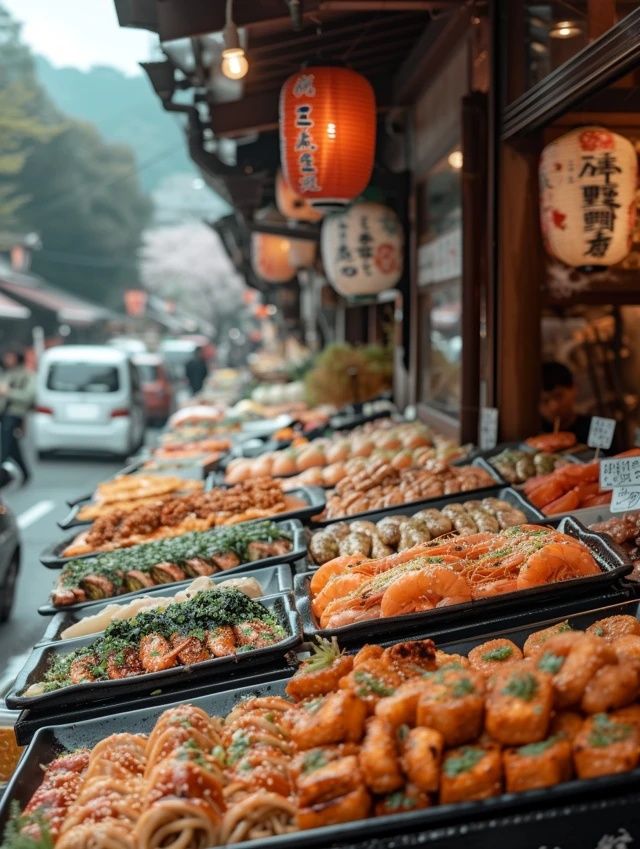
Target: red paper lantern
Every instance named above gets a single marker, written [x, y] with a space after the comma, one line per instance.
[327, 134]
[292, 205]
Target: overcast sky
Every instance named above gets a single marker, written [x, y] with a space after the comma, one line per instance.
[81, 33]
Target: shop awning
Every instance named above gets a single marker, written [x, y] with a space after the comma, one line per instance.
[29, 291]
[12, 309]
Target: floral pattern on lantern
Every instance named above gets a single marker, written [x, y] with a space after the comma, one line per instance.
[362, 249]
[587, 197]
[292, 205]
[327, 134]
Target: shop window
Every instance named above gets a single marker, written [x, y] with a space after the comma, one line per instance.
[440, 285]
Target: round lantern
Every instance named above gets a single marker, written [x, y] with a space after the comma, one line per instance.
[276, 258]
[292, 205]
[362, 249]
[327, 134]
[587, 197]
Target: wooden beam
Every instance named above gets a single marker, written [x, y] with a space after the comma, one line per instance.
[601, 16]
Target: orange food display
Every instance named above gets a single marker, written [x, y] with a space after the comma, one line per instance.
[553, 442]
[570, 487]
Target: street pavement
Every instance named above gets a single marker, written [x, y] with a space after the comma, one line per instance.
[37, 507]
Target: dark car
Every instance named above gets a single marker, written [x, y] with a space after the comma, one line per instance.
[157, 388]
[9, 553]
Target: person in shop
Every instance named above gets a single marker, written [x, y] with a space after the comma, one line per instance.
[558, 402]
[17, 394]
[197, 370]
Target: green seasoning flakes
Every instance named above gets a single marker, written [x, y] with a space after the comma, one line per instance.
[462, 687]
[500, 653]
[369, 685]
[521, 685]
[469, 756]
[606, 731]
[531, 750]
[398, 801]
[550, 662]
[238, 748]
[313, 760]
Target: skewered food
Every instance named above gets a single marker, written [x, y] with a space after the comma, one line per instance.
[355, 738]
[570, 487]
[213, 623]
[382, 486]
[166, 561]
[396, 533]
[517, 466]
[256, 499]
[117, 612]
[440, 573]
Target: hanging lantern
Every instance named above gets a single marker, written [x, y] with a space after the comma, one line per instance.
[276, 258]
[327, 134]
[362, 249]
[292, 205]
[587, 197]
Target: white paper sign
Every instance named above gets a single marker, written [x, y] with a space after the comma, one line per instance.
[624, 472]
[601, 432]
[488, 428]
[625, 498]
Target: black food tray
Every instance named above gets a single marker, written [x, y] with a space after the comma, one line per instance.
[274, 579]
[52, 558]
[281, 606]
[428, 502]
[611, 558]
[507, 493]
[574, 815]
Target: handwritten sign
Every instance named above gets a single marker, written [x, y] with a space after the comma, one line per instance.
[624, 472]
[488, 428]
[625, 498]
[601, 432]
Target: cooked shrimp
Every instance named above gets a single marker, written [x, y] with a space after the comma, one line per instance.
[490, 588]
[612, 686]
[613, 627]
[469, 773]
[379, 757]
[336, 587]
[537, 765]
[337, 566]
[556, 561]
[359, 612]
[221, 641]
[423, 590]
[494, 654]
[191, 649]
[156, 653]
[81, 669]
[518, 706]
[421, 756]
[605, 746]
[125, 665]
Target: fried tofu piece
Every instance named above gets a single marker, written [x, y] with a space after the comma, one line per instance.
[493, 655]
[566, 723]
[401, 708]
[518, 706]
[612, 628]
[329, 780]
[336, 718]
[470, 773]
[613, 686]
[353, 806]
[422, 756]
[410, 798]
[379, 757]
[536, 641]
[453, 704]
[605, 746]
[538, 765]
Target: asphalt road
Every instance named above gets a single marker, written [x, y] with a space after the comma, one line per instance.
[38, 506]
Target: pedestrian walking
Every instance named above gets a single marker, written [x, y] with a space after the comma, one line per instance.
[17, 394]
[197, 371]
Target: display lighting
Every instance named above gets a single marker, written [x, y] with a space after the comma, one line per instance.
[234, 64]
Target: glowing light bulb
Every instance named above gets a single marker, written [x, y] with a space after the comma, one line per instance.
[455, 159]
[565, 29]
[331, 130]
[234, 63]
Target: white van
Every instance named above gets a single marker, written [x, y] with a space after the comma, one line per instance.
[88, 398]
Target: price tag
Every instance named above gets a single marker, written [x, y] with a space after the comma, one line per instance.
[624, 472]
[601, 432]
[488, 428]
[625, 498]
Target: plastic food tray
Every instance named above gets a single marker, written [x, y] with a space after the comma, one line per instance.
[281, 606]
[273, 579]
[52, 557]
[578, 814]
[613, 562]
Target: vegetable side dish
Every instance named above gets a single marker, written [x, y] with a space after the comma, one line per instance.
[385, 731]
[396, 533]
[445, 572]
[214, 623]
[255, 499]
[165, 561]
[517, 466]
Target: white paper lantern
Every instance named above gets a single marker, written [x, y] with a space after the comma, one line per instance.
[587, 196]
[362, 249]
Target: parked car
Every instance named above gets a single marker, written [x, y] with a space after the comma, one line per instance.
[88, 398]
[128, 345]
[157, 389]
[9, 553]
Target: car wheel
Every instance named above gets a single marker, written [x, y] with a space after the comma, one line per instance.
[8, 588]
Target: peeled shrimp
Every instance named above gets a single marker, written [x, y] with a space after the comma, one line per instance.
[557, 561]
[423, 590]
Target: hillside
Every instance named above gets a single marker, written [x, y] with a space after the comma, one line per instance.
[124, 109]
